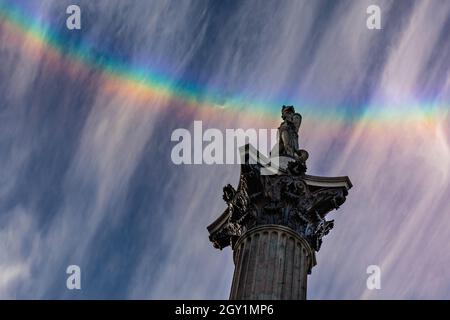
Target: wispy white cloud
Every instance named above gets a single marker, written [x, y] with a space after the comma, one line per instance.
[395, 216]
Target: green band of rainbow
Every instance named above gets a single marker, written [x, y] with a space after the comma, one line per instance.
[160, 85]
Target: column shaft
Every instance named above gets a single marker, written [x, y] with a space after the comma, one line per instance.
[271, 262]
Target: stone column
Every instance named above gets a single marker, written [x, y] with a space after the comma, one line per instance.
[271, 262]
[275, 223]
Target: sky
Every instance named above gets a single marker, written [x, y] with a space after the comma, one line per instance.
[86, 117]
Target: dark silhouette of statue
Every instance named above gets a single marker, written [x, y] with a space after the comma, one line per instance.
[288, 131]
[288, 139]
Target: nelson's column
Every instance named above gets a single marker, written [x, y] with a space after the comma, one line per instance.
[275, 218]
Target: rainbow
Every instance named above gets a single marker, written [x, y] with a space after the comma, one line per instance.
[124, 78]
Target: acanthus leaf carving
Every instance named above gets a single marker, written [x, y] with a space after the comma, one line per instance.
[278, 199]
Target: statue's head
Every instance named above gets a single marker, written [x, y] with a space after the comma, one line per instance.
[287, 112]
[228, 193]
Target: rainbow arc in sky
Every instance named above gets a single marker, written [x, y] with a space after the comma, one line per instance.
[124, 78]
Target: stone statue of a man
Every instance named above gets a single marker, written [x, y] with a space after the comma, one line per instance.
[288, 132]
